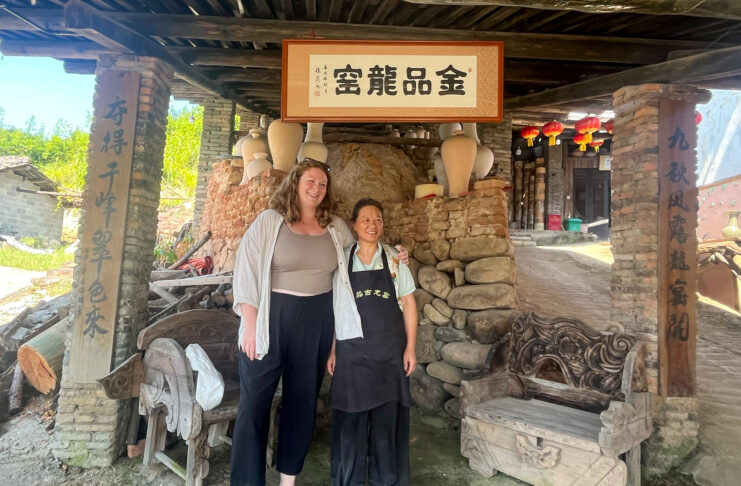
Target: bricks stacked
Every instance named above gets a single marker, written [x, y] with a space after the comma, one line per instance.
[218, 121]
[88, 426]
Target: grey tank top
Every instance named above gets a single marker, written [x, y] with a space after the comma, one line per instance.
[303, 263]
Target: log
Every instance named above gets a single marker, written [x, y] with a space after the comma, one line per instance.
[15, 397]
[190, 252]
[8, 329]
[41, 357]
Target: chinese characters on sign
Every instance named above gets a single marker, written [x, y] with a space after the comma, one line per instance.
[391, 81]
[398, 81]
[677, 247]
[109, 174]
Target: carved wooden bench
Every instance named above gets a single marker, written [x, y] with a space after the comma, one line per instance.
[161, 376]
[561, 405]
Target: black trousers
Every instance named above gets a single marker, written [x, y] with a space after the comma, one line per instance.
[301, 330]
[372, 445]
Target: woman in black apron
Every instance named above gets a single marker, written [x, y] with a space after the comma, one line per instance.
[370, 384]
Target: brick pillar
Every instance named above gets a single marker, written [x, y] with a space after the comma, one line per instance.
[554, 176]
[218, 122]
[90, 427]
[498, 137]
[248, 119]
[635, 237]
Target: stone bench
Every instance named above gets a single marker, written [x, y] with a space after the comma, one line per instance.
[562, 405]
[161, 377]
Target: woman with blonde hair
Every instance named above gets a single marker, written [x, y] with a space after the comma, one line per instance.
[292, 291]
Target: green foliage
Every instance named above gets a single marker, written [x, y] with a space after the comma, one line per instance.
[62, 156]
[181, 150]
[12, 257]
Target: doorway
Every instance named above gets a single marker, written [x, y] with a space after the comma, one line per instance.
[591, 194]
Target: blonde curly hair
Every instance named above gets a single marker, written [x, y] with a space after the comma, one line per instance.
[285, 199]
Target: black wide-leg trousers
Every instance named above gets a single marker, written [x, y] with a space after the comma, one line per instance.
[372, 445]
[301, 330]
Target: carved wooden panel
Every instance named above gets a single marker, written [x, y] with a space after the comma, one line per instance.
[588, 359]
[124, 381]
[194, 326]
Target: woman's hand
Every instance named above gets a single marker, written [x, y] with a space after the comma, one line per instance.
[403, 255]
[410, 360]
[332, 360]
[248, 343]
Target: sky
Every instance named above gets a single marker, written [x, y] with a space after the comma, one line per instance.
[39, 87]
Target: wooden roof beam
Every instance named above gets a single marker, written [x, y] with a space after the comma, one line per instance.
[722, 9]
[720, 63]
[98, 26]
[518, 45]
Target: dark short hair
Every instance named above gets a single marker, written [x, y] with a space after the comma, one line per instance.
[366, 201]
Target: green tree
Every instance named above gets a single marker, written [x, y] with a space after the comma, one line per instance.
[181, 150]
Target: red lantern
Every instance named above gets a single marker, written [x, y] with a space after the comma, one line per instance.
[581, 139]
[609, 126]
[588, 125]
[596, 144]
[698, 117]
[529, 133]
[551, 130]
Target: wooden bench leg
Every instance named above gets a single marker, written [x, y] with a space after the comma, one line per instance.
[156, 435]
[197, 466]
[216, 432]
[633, 461]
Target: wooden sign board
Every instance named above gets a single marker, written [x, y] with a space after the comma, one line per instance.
[677, 248]
[106, 205]
[391, 81]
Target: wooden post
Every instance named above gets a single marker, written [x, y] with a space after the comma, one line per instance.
[539, 195]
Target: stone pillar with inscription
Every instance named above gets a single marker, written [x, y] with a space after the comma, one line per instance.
[218, 122]
[654, 215]
[554, 178]
[115, 255]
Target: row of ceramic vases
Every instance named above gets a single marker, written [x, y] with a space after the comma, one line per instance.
[461, 153]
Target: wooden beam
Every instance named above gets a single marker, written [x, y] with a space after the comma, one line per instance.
[722, 9]
[519, 45]
[80, 67]
[714, 64]
[85, 20]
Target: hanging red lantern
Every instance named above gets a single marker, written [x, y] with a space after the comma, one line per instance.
[529, 133]
[698, 117]
[581, 139]
[552, 129]
[609, 126]
[596, 144]
[588, 125]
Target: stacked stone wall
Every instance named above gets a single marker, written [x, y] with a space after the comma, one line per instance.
[90, 427]
[26, 214]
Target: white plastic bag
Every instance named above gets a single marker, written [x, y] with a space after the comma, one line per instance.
[210, 385]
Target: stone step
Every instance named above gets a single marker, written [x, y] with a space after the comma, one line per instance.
[523, 243]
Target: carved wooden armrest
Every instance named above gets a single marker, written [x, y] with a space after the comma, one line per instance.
[480, 390]
[626, 424]
[168, 382]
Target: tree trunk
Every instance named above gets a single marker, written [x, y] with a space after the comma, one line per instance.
[41, 357]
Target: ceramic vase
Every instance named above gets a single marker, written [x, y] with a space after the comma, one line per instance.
[484, 155]
[237, 149]
[447, 130]
[459, 154]
[313, 147]
[285, 142]
[732, 230]
[258, 164]
[440, 176]
[252, 145]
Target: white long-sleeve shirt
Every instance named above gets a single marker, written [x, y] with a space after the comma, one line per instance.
[251, 283]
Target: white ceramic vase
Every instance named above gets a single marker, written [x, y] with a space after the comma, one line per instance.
[285, 142]
[484, 156]
[313, 147]
[447, 130]
[459, 154]
[440, 176]
[258, 164]
[253, 144]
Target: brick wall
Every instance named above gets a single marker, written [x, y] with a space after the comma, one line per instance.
[554, 175]
[90, 427]
[27, 214]
[498, 137]
[218, 121]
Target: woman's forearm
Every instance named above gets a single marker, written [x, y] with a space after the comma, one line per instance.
[410, 319]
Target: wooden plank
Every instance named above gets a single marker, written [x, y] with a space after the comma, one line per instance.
[717, 63]
[191, 281]
[677, 253]
[170, 463]
[707, 8]
[109, 174]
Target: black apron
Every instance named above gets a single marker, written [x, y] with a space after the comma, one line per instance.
[369, 371]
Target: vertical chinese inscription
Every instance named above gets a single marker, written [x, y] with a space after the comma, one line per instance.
[677, 257]
[109, 176]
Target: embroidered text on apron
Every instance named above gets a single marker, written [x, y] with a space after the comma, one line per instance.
[369, 371]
